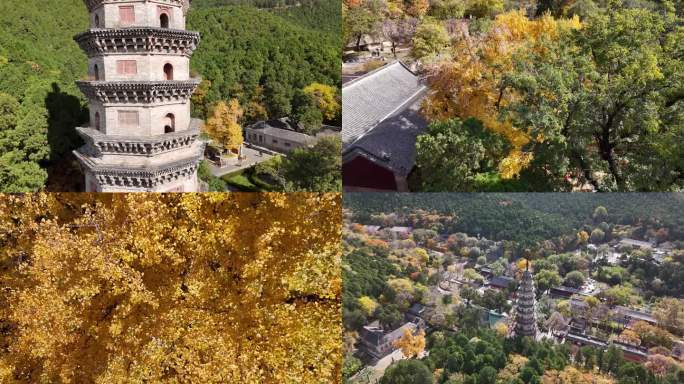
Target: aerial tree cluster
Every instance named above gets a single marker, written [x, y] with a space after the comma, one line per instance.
[587, 95]
[481, 356]
[387, 269]
[170, 288]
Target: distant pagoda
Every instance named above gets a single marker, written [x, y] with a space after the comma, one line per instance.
[525, 318]
[140, 137]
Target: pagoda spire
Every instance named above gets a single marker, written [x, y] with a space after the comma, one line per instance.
[525, 317]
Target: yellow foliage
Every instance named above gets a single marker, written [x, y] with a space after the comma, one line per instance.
[422, 255]
[418, 8]
[630, 337]
[213, 288]
[501, 329]
[223, 125]
[563, 307]
[401, 286]
[326, 99]
[379, 243]
[470, 83]
[514, 163]
[358, 228]
[571, 375]
[368, 304]
[522, 264]
[255, 111]
[582, 237]
[411, 345]
[512, 369]
[395, 9]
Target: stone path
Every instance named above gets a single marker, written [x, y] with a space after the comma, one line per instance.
[371, 374]
[252, 157]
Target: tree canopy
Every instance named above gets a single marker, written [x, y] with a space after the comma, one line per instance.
[587, 94]
[207, 288]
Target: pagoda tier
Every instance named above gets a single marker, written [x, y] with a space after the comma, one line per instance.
[138, 40]
[145, 177]
[93, 4]
[98, 144]
[135, 92]
[525, 317]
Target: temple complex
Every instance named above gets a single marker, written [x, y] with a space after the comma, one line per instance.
[525, 318]
[141, 137]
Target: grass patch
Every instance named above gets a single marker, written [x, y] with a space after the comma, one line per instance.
[216, 184]
[257, 181]
[492, 182]
[240, 181]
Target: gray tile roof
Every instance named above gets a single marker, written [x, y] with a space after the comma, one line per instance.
[399, 332]
[392, 143]
[267, 128]
[375, 97]
[501, 281]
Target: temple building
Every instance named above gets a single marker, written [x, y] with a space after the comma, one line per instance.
[140, 137]
[525, 318]
[380, 125]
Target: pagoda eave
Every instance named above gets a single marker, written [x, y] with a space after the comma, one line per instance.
[138, 40]
[98, 144]
[139, 92]
[114, 176]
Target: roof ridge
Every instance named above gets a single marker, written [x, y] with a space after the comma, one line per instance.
[400, 107]
[374, 72]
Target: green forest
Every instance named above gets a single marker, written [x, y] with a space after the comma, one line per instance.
[238, 57]
[526, 218]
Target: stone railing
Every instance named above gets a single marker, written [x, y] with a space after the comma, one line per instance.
[148, 178]
[98, 144]
[138, 40]
[127, 92]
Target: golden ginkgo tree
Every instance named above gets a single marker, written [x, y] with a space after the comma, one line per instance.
[214, 288]
[223, 126]
[411, 345]
[470, 81]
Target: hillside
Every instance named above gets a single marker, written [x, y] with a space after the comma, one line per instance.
[39, 63]
[525, 218]
[241, 58]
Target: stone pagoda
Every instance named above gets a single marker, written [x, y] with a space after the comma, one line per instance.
[525, 318]
[140, 137]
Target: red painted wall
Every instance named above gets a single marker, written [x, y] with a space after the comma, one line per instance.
[361, 172]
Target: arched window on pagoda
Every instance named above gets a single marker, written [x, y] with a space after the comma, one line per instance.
[168, 72]
[169, 123]
[164, 20]
[97, 21]
[97, 120]
[96, 72]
